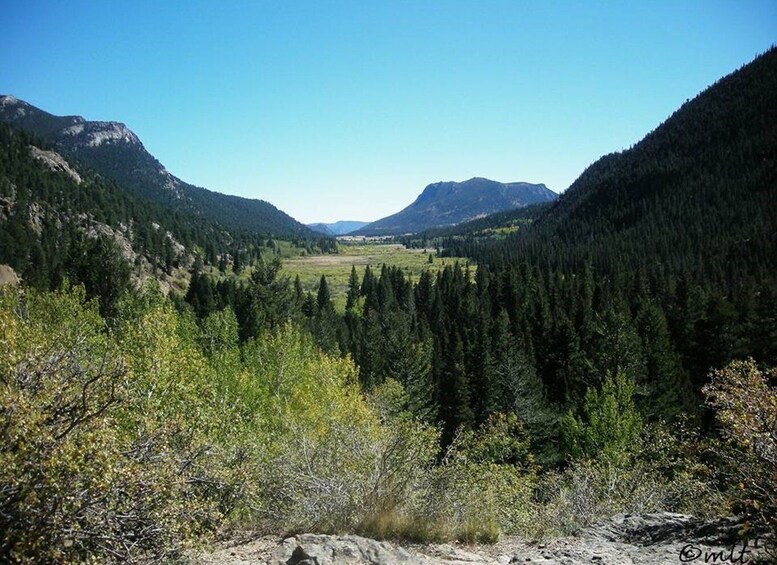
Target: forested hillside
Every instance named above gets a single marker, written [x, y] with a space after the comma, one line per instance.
[487, 229]
[695, 194]
[611, 353]
[59, 220]
[116, 153]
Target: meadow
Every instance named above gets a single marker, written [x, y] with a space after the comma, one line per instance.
[337, 268]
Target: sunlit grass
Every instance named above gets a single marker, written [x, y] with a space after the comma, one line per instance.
[337, 268]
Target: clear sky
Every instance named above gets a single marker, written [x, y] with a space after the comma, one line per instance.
[337, 110]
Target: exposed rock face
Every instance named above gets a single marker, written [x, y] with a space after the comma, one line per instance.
[311, 549]
[662, 539]
[6, 207]
[8, 276]
[665, 527]
[93, 134]
[55, 162]
[98, 229]
[654, 539]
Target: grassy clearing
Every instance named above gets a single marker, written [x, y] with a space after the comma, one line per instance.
[337, 268]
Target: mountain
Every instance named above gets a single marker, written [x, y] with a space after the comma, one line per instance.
[493, 226]
[322, 228]
[342, 227]
[114, 151]
[60, 220]
[448, 203]
[696, 195]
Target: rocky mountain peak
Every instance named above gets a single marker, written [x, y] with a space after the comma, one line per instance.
[95, 134]
[450, 202]
[11, 104]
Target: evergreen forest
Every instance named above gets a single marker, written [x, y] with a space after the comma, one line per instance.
[612, 351]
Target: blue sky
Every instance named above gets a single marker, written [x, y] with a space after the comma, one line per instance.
[346, 110]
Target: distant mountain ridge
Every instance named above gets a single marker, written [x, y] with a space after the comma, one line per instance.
[449, 203]
[114, 151]
[341, 227]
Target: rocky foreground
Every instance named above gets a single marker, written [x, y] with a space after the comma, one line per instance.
[654, 539]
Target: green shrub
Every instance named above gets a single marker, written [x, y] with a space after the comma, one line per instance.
[484, 484]
[745, 400]
[609, 424]
[346, 470]
[105, 449]
[71, 485]
[663, 470]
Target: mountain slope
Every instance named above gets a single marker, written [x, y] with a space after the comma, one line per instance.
[697, 193]
[448, 203]
[61, 220]
[493, 226]
[342, 227]
[114, 151]
[321, 228]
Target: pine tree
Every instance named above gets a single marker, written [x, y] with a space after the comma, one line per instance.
[668, 392]
[353, 289]
[455, 407]
[323, 298]
[610, 424]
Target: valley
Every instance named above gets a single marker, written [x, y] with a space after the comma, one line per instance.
[337, 267]
[496, 373]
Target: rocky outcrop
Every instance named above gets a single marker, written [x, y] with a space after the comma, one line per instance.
[654, 539]
[8, 276]
[312, 549]
[55, 162]
[98, 229]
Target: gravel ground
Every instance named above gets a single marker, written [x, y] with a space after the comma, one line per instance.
[656, 539]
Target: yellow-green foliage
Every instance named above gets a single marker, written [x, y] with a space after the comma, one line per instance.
[610, 424]
[484, 485]
[127, 443]
[102, 455]
[745, 399]
[339, 469]
[482, 488]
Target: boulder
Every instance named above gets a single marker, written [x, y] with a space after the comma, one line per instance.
[8, 276]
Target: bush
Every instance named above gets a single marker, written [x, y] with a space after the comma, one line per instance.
[590, 491]
[66, 489]
[378, 476]
[610, 423]
[663, 470]
[745, 400]
[343, 470]
[101, 452]
[484, 484]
